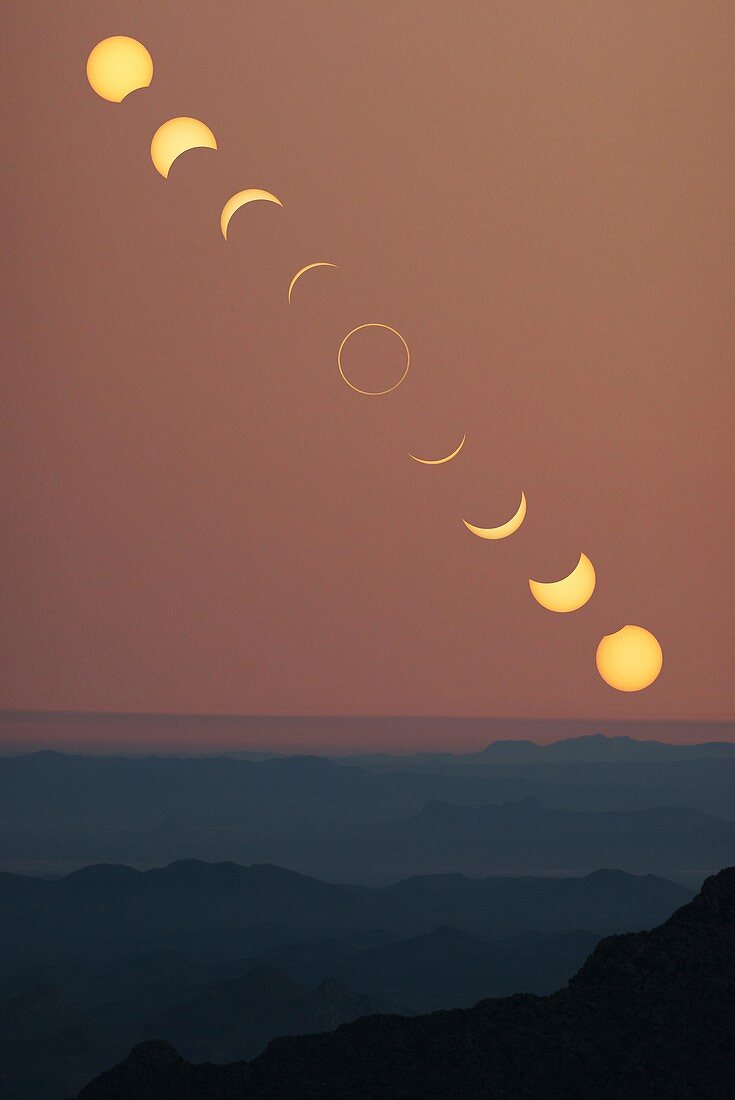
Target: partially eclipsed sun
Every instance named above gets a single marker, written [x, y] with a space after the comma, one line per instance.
[177, 136]
[570, 593]
[250, 194]
[440, 461]
[505, 529]
[630, 659]
[118, 66]
[302, 271]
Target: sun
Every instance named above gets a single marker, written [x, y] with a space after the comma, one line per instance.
[118, 66]
[630, 659]
[177, 136]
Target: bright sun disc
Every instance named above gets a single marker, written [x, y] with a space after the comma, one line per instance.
[629, 660]
[118, 66]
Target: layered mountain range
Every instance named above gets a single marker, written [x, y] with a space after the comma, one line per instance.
[216, 903]
[648, 1016]
[570, 807]
[219, 959]
[111, 913]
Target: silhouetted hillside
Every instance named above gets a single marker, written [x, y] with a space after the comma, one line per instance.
[61, 1026]
[221, 958]
[649, 1016]
[236, 1018]
[52, 1041]
[449, 968]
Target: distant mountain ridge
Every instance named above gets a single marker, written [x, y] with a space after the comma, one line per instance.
[106, 912]
[20, 730]
[587, 746]
[515, 837]
[61, 811]
[648, 1017]
[600, 746]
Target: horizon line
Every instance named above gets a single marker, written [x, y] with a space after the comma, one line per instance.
[19, 712]
[169, 733]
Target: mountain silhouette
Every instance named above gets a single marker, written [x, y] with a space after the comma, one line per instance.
[599, 746]
[518, 837]
[52, 1041]
[450, 968]
[236, 1018]
[67, 1024]
[648, 1016]
[62, 811]
[104, 916]
[219, 958]
[249, 735]
[444, 968]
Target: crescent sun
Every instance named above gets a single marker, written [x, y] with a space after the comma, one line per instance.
[505, 529]
[177, 136]
[233, 204]
[440, 461]
[302, 270]
[570, 593]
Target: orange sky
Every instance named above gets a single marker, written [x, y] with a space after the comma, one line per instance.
[200, 516]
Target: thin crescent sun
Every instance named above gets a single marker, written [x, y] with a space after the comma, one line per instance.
[374, 393]
[505, 529]
[233, 204]
[440, 461]
[302, 270]
[571, 592]
[177, 136]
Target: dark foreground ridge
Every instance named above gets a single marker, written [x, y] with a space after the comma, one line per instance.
[649, 1015]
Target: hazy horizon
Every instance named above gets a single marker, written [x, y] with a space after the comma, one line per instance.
[99, 731]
